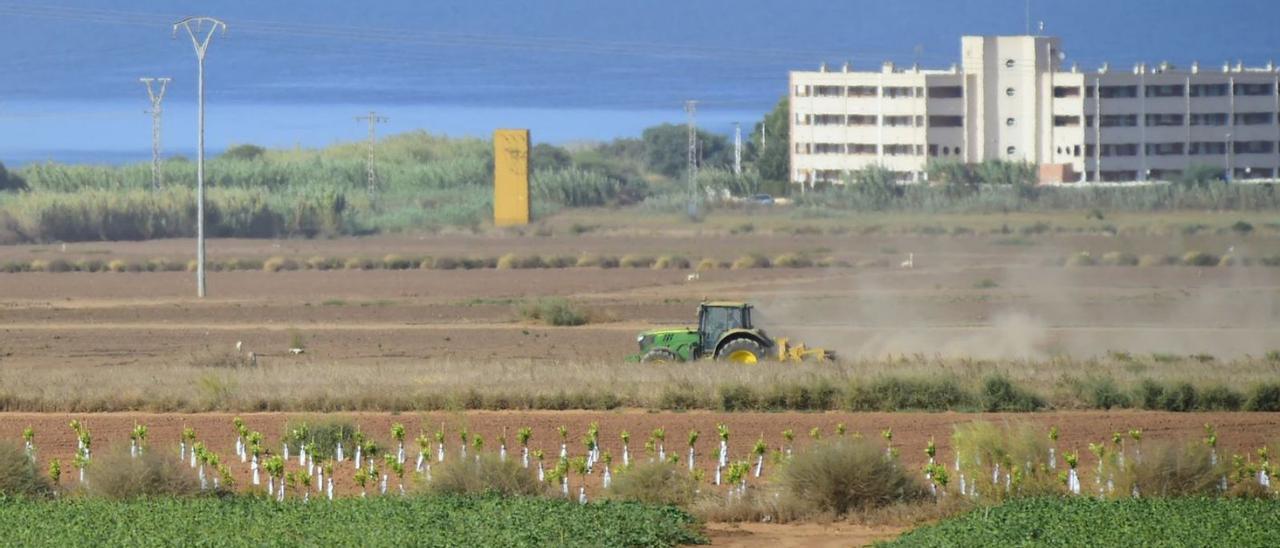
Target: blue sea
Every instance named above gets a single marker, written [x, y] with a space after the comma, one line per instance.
[296, 74]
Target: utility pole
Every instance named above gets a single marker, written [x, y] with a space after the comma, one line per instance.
[737, 149]
[373, 120]
[155, 125]
[691, 109]
[195, 27]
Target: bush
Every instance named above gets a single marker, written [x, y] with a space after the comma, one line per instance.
[1199, 258]
[358, 263]
[1103, 394]
[1166, 470]
[737, 397]
[396, 262]
[1182, 397]
[324, 263]
[1155, 260]
[844, 474]
[635, 261]
[754, 260]
[661, 483]
[1018, 447]
[708, 264]
[554, 311]
[486, 475]
[512, 261]
[1120, 258]
[277, 264]
[1220, 398]
[587, 260]
[1265, 397]
[818, 395]
[901, 394]
[19, 476]
[1081, 259]
[792, 260]
[443, 263]
[1150, 394]
[155, 473]
[1000, 394]
[671, 261]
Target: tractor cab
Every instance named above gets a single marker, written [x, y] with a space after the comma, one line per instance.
[717, 318]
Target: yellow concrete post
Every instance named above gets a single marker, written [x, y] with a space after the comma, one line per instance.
[511, 177]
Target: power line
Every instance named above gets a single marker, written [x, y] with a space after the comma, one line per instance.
[691, 109]
[200, 38]
[155, 112]
[373, 120]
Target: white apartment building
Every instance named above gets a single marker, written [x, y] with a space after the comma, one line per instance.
[1011, 99]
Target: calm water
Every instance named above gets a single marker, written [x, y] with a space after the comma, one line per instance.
[570, 70]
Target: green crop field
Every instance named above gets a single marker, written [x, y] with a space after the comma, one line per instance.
[1088, 522]
[429, 521]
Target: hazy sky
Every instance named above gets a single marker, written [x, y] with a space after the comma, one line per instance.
[294, 72]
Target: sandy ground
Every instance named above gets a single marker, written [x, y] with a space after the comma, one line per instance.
[798, 535]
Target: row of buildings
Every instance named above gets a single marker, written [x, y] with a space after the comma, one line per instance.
[1010, 98]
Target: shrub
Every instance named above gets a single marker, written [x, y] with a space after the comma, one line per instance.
[1155, 260]
[682, 398]
[1000, 394]
[587, 260]
[654, 483]
[1220, 398]
[358, 263]
[1120, 258]
[708, 264]
[1081, 259]
[1150, 394]
[1230, 259]
[1265, 397]
[792, 260]
[1167, 470]
[443, 263]
[324, 263]
[277, 264]
[1103, 394]
[89, 265]
[843, 474]
[1241, 227]
[1182, 397]
[1199, 258]
[1020, 448]
[39, 265]
[561, 261]
[512, 261]
[832, 262]
[737, 397]
[397, 262]
[486, 475]
[19, 476]
[554, 311]
[155, 473]
[754, 260]
[671, 261]
[635, 261]
[900, 394]
[819, 395]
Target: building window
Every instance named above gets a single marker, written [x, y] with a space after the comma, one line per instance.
[957, 151]
[1253, 118]
[1171, 90]
[803, 119]
[828, 119]
[1009, 121]
[1119, 120]
[933, 150]
[946, 92]
[1076, 151]
[1118, 92]
[946, 121]
[1164, 149]
[1066, 121]
[1207, 148]
[1128, 149]
[862, 119]
[1164, 120]
[1008, 91]
[1253, 147]
[946, 151]
[1066, 91]
[1208, 90]
[828, 91]
[897, 121]
[862, 148]
[862, 91]
[802, 91]
[899, 150]
[828, 148]
[1209, 119]
[1008, 63]
[1011, 150]
[895, 92]
[1254, 89]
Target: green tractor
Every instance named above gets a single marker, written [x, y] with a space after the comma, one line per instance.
[724, 333]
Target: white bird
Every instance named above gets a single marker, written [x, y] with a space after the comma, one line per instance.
[693, 277]
[910, 262]
[239, 346]
[295, 351]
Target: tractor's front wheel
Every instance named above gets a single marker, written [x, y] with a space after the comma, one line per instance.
[741, 351]
[659, 355]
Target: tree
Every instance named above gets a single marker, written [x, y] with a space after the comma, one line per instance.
[956, 178]
[1194, 176]
[770, 151]
[546, 156]
[244, 152]
[10, 180]
[666, 149]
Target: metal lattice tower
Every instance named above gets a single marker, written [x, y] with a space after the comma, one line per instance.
[155, 112]
[373, 120]
[201, 30]
[691, 108]
[737, 149]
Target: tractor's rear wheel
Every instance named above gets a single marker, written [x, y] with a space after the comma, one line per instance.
[659, 355]
[741, 351]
